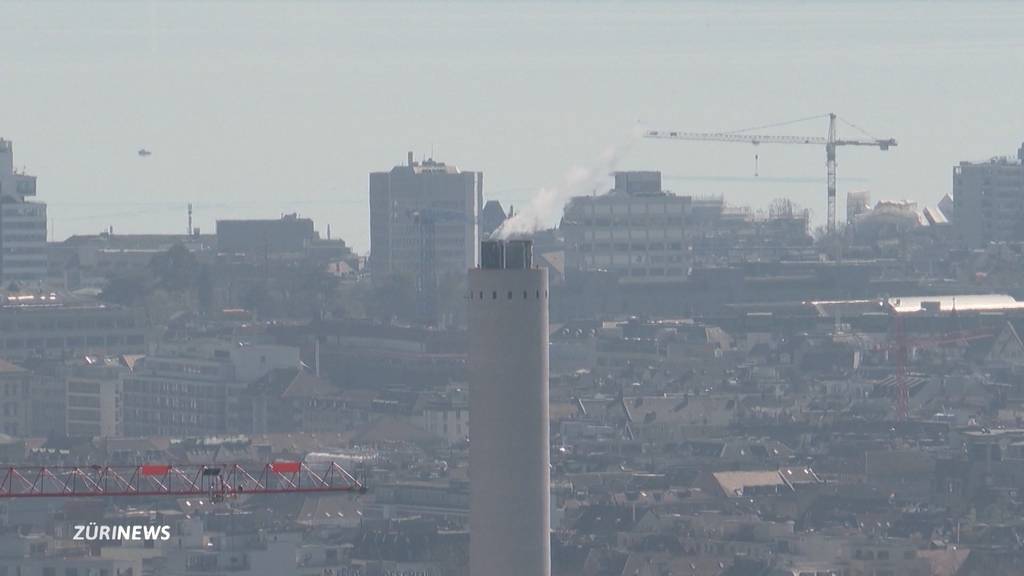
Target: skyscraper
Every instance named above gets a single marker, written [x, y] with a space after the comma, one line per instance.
[508, 409]
[22, 223]
[988, 198]
[424, 210]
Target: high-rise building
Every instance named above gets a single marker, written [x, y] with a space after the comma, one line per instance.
[508, 409]
[425, 210]
[22, 223]
[988, 200]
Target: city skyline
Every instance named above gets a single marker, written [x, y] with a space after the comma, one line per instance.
[554, 95]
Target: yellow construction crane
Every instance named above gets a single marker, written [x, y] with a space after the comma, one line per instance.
[830, 141]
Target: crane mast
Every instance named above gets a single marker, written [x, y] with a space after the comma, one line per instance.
[830, 141]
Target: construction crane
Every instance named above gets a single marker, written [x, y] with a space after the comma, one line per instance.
[830, 141]
[901, 346]
[216, 481]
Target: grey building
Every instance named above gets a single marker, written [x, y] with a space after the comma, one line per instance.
[989, 200]
[93, 389]
[424, 206]
[491, 218]
[22, 223]
[196, 387]
[288, 234]
[50, 326]
[636, 230]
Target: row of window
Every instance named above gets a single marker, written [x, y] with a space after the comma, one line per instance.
[14, 210]
[173, 403]
[24, 225]
[151, 418]
[83, 387]
[25, 232]
[631, 247]
[79, 401]
[511, 295]
[134, 386]
[72, 342]
[635, 221]
[182, 368]
[83, 415]
[93, 323]
[675, 206]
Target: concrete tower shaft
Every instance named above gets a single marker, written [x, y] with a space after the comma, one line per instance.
[509, 437]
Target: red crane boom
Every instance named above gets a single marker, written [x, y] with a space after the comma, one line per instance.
[902, 346]
[214, 480]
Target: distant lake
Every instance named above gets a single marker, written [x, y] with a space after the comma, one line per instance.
[253, 109]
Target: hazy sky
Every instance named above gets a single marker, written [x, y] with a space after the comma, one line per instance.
[253, 109]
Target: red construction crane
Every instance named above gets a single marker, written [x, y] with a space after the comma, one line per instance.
[902, 346]
[830, 141]
[215, 481]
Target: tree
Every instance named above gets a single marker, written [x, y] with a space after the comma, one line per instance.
[254, 297]
[204, 288]
[175, 270]
[126, 290]
[310, 291]
[393, 296]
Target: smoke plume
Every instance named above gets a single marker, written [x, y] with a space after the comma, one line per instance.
[546, 205]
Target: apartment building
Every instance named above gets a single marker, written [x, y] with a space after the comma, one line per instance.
[988, 200]
[197, 387]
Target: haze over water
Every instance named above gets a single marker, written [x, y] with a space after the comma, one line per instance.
[254, 109]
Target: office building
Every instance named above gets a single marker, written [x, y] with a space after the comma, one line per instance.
[988, 200]
[93, 386]
[425, 210]
[55, 326]
[22, 223]
[15, 399]
[508, 407]
[636, 231]
[288, 234]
